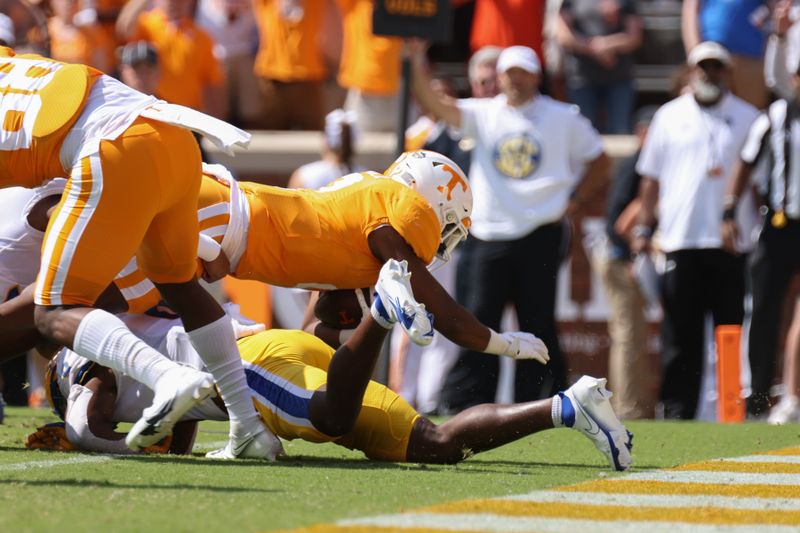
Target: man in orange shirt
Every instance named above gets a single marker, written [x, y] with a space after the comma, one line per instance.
[507, 23]
[86, 44]
[289, 64]
[190, 73]
[369, 68]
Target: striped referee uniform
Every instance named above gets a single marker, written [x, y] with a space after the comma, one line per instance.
[774, 139]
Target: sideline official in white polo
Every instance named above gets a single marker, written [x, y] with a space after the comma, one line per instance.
[535, 160]
[686, 163]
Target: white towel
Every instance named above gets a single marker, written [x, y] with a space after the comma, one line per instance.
[234, 241]
[223, 135]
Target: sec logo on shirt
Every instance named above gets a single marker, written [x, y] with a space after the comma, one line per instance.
[518, 155]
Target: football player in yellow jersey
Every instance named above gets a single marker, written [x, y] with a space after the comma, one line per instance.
[133, 179]
[303, 389]
[338, 238]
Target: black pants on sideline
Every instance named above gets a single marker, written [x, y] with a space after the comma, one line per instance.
[773, 263]
[490, 275]
[695, 282]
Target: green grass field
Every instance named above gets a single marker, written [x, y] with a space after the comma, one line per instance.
[317, 483]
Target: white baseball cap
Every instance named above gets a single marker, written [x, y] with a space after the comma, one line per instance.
[708, 50]
[519, 56]
[6, 29]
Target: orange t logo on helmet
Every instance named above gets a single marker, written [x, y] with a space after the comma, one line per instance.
[455, 180]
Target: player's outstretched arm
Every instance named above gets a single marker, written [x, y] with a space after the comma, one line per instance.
[453, 320]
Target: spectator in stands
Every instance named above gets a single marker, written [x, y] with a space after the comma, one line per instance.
[630, 370]
[190, 73]
[686, 161]
[138, 67]
[523, 172]
[482, 72]
[599, 38]
[732, 25]
[774, 139]
[232, 26]
[338, 150]
[369, 68]
[506, 23]
[783, 49]
[289, 64]
[426, 125]
[78, 41]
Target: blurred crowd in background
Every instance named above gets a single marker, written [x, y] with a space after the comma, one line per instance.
[315, 65]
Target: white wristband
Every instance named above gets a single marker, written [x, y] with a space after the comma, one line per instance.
[207, 248]
[497, 344]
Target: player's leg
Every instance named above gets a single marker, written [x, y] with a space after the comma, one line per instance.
[168, 256]
[96, 228]
[788, 408]
[334, 409]
[477, 429]
[583, 407]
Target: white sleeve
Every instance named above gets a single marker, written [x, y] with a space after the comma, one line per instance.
[755, 139]
[776, 73]
[76, 424]
[651, 158]
[585, 143]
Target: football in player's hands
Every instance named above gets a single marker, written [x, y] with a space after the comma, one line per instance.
[341, 309]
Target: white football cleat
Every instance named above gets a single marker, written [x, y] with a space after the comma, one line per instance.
[175, 394]
[590, 412]
[395, 303]
[261, 444]
[787, 410]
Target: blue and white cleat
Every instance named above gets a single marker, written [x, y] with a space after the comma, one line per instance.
[395, 303]
[590, 412]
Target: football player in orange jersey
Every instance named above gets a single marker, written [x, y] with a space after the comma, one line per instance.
[306, 390]
[338, 238]
[127, 194]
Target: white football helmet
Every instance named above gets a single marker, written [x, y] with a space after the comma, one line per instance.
[443, 184]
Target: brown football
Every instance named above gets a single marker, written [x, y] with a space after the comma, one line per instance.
[340, 308]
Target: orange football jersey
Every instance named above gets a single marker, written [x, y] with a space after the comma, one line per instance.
[40, 100]
[318, 239]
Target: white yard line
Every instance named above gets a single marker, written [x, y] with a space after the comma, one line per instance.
[496, 523]
[660, 500]
[723, 478]
[81, 459]
[787, 459]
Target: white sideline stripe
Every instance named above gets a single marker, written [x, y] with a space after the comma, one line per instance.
[659, 500]
[787, 459]
[57, 462]
[501, 524]
[723, 478]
